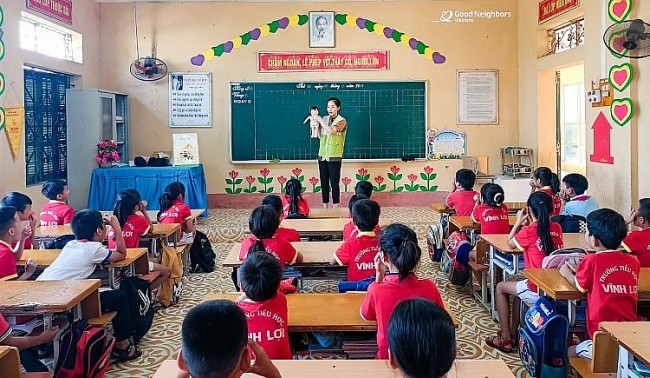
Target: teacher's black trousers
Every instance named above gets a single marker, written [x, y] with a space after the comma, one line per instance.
[330, 175]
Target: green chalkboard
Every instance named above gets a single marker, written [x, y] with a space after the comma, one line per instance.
[386, 120]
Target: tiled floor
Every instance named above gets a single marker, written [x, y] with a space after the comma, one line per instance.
[226, 226]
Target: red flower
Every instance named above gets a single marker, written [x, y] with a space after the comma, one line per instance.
[412, 177]
[250, 179]
[282, 179]
[296, 171]
[394, 169]
[346, 180]
[362, 172]
[233, 174]
[264, 172]
[313, 181]
[379, 179]
[428, 170]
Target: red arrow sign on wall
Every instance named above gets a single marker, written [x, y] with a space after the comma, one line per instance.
[602, 130]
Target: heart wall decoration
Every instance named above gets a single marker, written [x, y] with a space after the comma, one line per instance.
[622, 110]
[621, 76]
[618, 10]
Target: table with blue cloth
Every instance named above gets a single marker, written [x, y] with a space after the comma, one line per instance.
[150, 182]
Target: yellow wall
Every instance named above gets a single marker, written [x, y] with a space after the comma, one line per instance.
[86, 18]
[182, 30]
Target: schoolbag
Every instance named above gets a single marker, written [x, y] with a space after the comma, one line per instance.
[559, 257]
[84, 352]
[202, 256]
[435, 242]
[141, 304]
[59, 242]
[571, 223]
[457, 248]
[362, 285]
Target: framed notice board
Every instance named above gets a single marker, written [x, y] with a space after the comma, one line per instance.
[478, 97]
[386, 120]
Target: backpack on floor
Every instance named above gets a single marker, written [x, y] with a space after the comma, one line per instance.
[435, 241]
[141, 304]
[559, 257]
[457, 248]
[543, 340]
[202, 256]
[84, 352]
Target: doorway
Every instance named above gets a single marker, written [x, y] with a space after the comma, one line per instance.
[570, 123]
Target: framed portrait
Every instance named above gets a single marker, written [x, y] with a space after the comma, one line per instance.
[321, 29]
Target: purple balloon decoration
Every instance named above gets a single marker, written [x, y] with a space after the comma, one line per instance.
[438, 58]
[283, 22]
[255, 33]
[198, 60]
[388, 32]
[361, 23]
[413, 43]
[227, 47]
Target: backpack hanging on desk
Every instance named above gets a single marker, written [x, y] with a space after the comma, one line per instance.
[559, 257]
[59, 242]
[84, 351]
[457, 247]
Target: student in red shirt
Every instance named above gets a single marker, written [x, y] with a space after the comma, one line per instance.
[537, 237]
[545, 181]
[350, 229]
[359, 252]
[293, 205]
[56, 212]
[23, 205]
[490, 213]
[395, 280]
[28, 359]
[287, 233]
[638, 242]
[174, 210]
[265, 307]
[610, 277]
[461, 198]
[12, 231]
[263, 224]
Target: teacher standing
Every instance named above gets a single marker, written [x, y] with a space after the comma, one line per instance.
[330, 153]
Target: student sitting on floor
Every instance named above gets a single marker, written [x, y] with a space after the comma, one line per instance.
[638, 242]
[490, 213]
[214, 343]
[265, 307]
[293, 205]
[537, 237]
[421, 339]
[174, 210]
[134, 226]
[12, 231]
[263, 224]
[461, 198]
[78, 260]
[359, 252]
[23, 205]
[28, 357]
[545, 181]
[56, 212]
[609, 276]
[573, 197]
[363, 188]
[395, 280]
[288, 233]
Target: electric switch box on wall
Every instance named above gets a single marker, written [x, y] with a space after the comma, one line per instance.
[601, 93]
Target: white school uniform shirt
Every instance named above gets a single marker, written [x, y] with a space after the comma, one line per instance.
[77, 261]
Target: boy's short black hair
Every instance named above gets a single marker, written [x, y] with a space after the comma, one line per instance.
[466, 178]
[259, 276]
[354, 199]
[18, 200]
[214, 336]
[51, 189]
[85, 223]
[644, 208]
[421, 338]
[577, 182]
[7, 218]
[608, 226]
[274, 201]
[365, 214]
[363, 187]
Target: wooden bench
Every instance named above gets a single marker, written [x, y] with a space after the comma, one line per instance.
[103, 320]
[604, 362]
[9, 362]
[480, 268]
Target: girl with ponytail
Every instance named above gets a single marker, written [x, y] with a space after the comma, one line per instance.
[545, 181]
[395, 280]
[174, 210]
[535, 235]
[293, 205]
[490, 212]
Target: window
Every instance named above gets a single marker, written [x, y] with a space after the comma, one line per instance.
[45, 125]
[566, 36]
[44, 37]
[573, 125]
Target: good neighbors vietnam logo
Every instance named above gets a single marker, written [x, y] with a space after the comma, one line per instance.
[470, 16]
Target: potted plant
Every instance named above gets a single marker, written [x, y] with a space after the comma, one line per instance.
[106, 153]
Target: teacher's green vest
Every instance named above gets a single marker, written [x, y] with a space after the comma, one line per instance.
[331, 146]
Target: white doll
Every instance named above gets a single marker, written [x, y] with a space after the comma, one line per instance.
[314, 125]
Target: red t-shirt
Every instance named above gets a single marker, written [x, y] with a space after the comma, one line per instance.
[287, 233]
[7, 259]
[5, 329]
[350, 231]
[358, 254]
[611, 281]
[178, 212]
[462, 201]
[303, 206]
[267, 325]
[638, 243]
[134, 227]
[493, 220]
[281, 249]
[56, 213]
[28, 243]
[529, 241]
[557, 202]
[382, 298]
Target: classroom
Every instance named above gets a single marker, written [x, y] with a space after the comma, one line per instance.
[219, 95]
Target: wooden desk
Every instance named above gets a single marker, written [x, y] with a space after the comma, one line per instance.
[306, 312]
[326, 226]
[163, 230]
[332, 212]
[313, 253]
[9, 362]
[632, 338]
[53, 231]
[153, 214]
[360, 368]
[442, 208]
[466, 222]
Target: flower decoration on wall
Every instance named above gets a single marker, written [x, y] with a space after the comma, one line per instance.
[314, 181]
[297, 174]
[363, 175]
[233, 181]
[265, 180]
[380, 185]
[106, 152]
[428, 176]
[395, 176]
[282, 180]
[251, 188]
[346, 181]
[413, 187]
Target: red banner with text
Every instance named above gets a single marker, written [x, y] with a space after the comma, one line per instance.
[58, 9]
[552, 8]
[363, 60]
